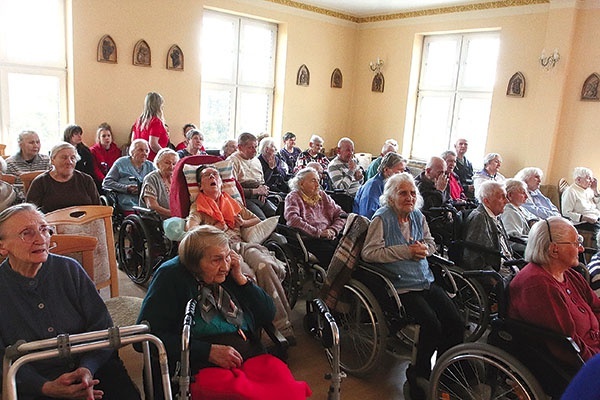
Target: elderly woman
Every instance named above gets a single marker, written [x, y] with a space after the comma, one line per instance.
[454, 189]
[217, 208]
[229, 147]
[547, 292]
[157, 184]
[104, 152]
[289, 153]
[44, 295]
[127, 174]
[366, 201]
[536, 203]
[490, 172]
[150, 125]
[27, 159]
[74, 135]
[580, 202]
[515, 217]
[313, 153]
[183, 144]
[399, 241]
[274, 168]
[231, 310]
[313, 212]
[195, 147]
[63, 186]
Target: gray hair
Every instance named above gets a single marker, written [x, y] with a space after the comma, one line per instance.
[135, 143]
[344, 140]
[265, 144]
[162, 153]
[513, 184]
[195, 242]
[447, 154]
[538, 242]
[488, 188]
[294, 183]
[245, 138]
[582, 172]
[225, 143]
[22, 136]
[390, 160]
[316, 139]
[528, 172]
[193, 132]
[12, 210]
[489, 157]
[390, 190]
[62, 146]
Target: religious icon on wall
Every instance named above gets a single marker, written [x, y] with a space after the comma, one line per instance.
[589, 91]
[141, 54]
[175, 58]
[336, 78]
[107, 50]
[516, 85]
[378, 83]
[303, 77]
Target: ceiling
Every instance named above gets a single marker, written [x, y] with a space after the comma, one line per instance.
[367, 8]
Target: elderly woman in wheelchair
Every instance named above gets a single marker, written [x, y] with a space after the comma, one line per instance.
[398, 241]
[231, 309]
[156, 186]
[217, 208]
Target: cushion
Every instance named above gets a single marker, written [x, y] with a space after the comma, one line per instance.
[261, 231]
[225, 170]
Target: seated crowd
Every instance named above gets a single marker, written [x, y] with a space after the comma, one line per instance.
[218, 265]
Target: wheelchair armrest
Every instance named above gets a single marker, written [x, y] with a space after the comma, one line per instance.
[436, 259]
[280, 343]
[382, 271]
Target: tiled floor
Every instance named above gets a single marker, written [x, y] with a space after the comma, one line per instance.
[308, 362]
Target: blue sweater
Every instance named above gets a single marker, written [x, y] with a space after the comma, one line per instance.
[366, 201]
[59, 299]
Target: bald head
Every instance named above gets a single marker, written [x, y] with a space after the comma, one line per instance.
[435, 167]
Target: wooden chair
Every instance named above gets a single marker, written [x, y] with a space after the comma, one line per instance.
[27, 178]
[2, 150]
[8, 178]
[77, 246]
[93, 221]
[562, 186]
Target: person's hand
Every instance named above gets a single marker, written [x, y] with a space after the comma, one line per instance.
[78, 385]
[352, 164]
[225, 356]
[262, 190]
[328, 234]
[358, 175]
[235, 268]
[418, 251]
[441, 182]
[132, 189]
[239, 221]
[589, 219]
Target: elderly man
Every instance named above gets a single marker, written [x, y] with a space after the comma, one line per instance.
[432, 183]
[484, 228]
[388, 146]
[27, 159]
[246, 168]
[344, 171]
[454, 190]
[581, 201]
[536, 203]
[464, 168]
[313, 153]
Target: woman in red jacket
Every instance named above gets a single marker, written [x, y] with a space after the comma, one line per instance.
[151, 125]
[105, 152]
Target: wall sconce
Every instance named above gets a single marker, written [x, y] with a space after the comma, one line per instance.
[377, 65]
[549, 62]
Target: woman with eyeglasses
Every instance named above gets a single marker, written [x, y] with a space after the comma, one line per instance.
[63, 186]
[547, 292]
[44, 295]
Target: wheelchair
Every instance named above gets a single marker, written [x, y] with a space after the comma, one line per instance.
[514, 363]
[110, 198]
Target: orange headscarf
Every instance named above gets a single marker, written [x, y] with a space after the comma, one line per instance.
[223, 210]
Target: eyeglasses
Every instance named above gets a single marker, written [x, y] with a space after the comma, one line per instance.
[578, 243]
[29, 235]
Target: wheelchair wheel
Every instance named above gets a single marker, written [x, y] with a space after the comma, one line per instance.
[482, 371]
[472, 302]
[363, 331]
[291, 282]
[134, 250]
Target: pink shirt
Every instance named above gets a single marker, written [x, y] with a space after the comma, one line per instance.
[155, 128]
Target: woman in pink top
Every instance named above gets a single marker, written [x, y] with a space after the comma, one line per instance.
[151, 126]
[105, 152]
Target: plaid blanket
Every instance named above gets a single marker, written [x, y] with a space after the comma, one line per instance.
[345, 259]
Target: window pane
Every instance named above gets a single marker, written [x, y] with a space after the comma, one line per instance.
[33, 32]
[34, 102]
[472, 120]
[479, 69]
[217, 115]
[257, 54]
[219, 48]
[440, 63]
[431, 133]
[253, 112]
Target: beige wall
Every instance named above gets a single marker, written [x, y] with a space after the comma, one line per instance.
[548, 127]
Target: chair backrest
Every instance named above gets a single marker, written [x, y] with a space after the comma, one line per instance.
[2, 150]
[8, 178]
[92, 221]
[78, 247]
[562, 186]
[27, 178]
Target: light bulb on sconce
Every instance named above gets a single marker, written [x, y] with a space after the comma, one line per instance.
[377, 65]
[549, 62]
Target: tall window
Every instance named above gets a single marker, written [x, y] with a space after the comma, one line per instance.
[32, 70]
[455, 93]
[238, 76]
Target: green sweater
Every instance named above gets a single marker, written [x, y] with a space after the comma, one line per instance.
[164, 307]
